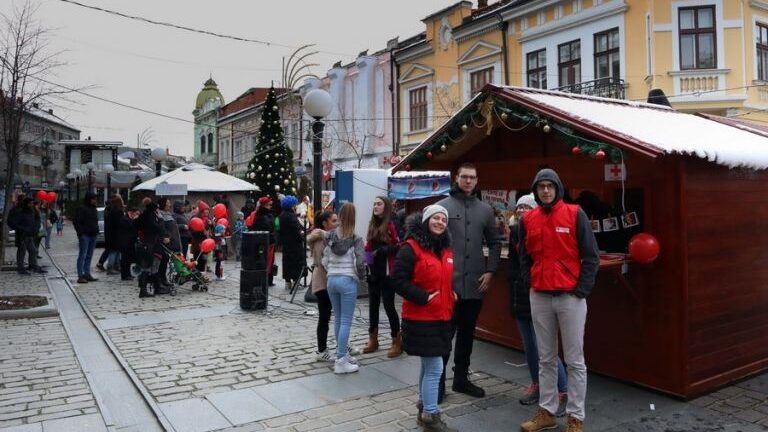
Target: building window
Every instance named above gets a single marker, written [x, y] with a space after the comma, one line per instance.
[480, 78]
[202, 144]
[537, 69]
[607, 62]
[762, 52]
[697, 37]
[569, 63]
[210, 142]
[418, 108]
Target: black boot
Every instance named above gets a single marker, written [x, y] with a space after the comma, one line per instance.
[158, 286]
[143, 292]
[462, 384]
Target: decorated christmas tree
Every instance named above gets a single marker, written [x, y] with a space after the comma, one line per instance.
[271, 168]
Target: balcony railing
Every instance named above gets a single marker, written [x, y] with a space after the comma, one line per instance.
[613, 88]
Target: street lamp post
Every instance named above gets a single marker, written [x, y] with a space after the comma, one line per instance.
[91, 166]
[70, 176]
[317, 104]
[158, 154]
[109, 169]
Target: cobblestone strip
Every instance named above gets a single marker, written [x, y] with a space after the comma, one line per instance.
[392, 412]
[746, 401]
[40, 377]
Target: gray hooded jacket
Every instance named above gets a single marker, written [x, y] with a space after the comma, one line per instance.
[588, 250]
[343, 257]
[470, 222]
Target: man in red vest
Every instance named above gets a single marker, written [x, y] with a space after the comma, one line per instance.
[559, 260]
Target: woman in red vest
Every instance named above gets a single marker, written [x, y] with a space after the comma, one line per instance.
[423, 275]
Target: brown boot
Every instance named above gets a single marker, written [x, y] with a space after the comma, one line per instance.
[574, 424]
[373, 341]
[543, 420]
[397, 347]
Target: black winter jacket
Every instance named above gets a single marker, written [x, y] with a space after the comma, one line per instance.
[127, 234]
[520, 302]
[86, 221]
[264, 221]
[420, 338]
[112, 229]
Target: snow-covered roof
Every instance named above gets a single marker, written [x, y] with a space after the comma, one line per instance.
[199, 178]
[51, 117]
[658, 129]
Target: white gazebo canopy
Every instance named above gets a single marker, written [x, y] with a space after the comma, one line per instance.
[199, 178]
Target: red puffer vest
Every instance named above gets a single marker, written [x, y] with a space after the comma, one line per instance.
[431, 273]
[550, 240]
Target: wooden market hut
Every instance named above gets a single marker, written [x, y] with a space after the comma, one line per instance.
[694, 319]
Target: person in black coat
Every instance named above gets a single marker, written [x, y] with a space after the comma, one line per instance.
[291, 238]
[127, 235]
[265, 221]
[23, 222]
[111, 233]
[149, 252]
[182, 222]
[86, 223]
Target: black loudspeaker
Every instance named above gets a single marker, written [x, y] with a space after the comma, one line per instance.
[255, 250]
[253, 289]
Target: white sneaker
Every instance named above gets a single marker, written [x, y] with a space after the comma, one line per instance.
[223, 278]
[353, 350]
[343, 366]
[351, 359]
[324, 356]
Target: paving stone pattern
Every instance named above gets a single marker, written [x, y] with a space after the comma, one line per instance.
[40, 377]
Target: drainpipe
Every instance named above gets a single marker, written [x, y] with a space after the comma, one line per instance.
[504, 27]
[395, 90]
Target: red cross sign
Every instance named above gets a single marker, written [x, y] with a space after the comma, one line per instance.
[615, 172]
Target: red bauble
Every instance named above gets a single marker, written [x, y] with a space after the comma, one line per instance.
[600, 155]
[207, 245]
[576, 150]
[196, 224]
[429, 155]
[644, 248]
[407, 167]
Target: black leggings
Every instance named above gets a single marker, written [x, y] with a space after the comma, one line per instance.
[324, 318]
[380, 288]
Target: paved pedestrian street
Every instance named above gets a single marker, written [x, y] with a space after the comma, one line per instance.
[197, 362]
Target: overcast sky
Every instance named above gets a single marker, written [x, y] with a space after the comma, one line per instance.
[162, 69]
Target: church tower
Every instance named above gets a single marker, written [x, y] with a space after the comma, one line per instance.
[206, 113]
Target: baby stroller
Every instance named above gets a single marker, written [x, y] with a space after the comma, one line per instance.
[181, 270]
[146, 269]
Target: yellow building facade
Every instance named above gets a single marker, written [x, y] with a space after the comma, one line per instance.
[705, 55]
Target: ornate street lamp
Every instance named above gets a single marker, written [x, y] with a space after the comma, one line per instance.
[317, 104]
[91, 166]
[159, 155]
[77, 174]
[109, 169]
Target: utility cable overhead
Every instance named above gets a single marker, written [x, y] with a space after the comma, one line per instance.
[191, 29]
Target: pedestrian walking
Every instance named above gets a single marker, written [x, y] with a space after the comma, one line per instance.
[343, 262]
[112, 233]
[291, 238]
[422, 276]
[60, 224]
[521, 310]
[127, 237]
[171, 231]
[23, 223]
[382, 244]
[49, 218]
[149, 249]
[472, 225]
[87, 228]
[264, 221]
[559, 259]
[182, 223]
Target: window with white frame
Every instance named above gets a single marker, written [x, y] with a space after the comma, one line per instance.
[698, 45]
[479, 78]
[762, 51]
[537, 69]
[417, 103]
[569, 63]
[607, 59]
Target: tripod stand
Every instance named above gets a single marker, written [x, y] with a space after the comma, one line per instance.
[297, 283]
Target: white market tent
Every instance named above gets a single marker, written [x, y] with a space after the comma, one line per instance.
[199, 178]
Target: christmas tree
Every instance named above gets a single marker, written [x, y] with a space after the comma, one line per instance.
[271, 168]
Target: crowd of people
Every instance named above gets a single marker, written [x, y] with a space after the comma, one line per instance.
[32, 221]
[435, 260]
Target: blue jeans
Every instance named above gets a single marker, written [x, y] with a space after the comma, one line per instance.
[113, 260]
[48, 238]
[532, 356]
[343, 293]
[85, 254]
[429, 382]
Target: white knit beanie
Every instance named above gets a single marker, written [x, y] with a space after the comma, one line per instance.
[430, 211]
[528, 200]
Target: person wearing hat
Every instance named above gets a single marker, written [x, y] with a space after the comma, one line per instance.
[265, 221]
[423, 276]
[248, 208]
[291, 238]
[521, 310]
[559, 260]
[86, 225]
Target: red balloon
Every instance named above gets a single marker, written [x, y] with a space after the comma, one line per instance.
[644, 248]
[207, 245]
[196, 224]
[42, 195]
[51, 197]
[223, 221]
[219, 211]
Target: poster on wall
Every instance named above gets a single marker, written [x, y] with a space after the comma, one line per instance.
[417, 185]
[328, 197]
[503, 204]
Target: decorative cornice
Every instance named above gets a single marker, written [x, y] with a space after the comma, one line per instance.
[518, 12]
[605, 10]
[414, 52]
[757, 4]
[406, 76]
[465, 58]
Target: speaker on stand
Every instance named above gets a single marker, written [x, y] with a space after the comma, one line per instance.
[253, 275]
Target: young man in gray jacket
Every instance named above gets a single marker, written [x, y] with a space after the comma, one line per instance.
[470, 223]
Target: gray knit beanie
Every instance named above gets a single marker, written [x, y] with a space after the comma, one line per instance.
[430, 211]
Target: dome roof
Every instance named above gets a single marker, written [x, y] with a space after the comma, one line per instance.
[210, 91]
